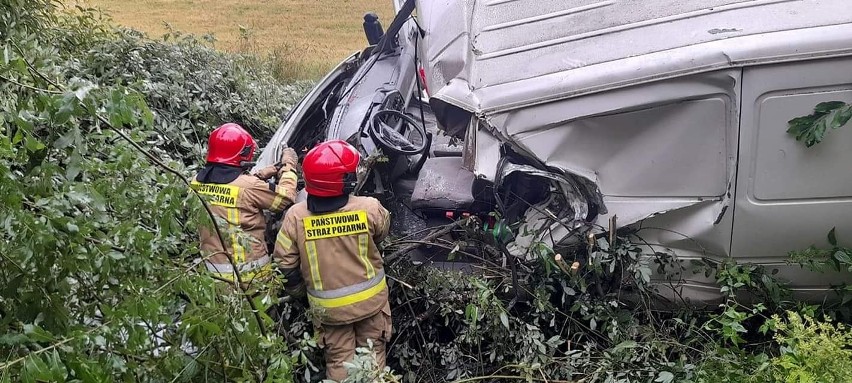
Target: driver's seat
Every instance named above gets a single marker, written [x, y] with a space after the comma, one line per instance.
[443, 184]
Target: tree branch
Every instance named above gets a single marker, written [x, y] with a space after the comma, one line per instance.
[156, 161]
[435, 234]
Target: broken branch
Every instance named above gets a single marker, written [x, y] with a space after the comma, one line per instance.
[431, 237]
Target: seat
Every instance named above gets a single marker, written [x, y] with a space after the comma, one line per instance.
[443, 185]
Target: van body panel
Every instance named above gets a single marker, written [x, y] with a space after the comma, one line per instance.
[791, 196]
[649, 148]
[491, 56]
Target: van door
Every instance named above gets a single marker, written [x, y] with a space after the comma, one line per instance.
[790, 196]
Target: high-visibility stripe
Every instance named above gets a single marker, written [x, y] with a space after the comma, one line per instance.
[349, 299]
[289, 175]
[284, 240]
[263, 272]
[239, 249]
[277, 202]
[229, 213]
[313, 262]
[349, 290]
[362, 253]
[243, 267]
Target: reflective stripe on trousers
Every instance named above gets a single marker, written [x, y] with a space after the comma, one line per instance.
[248, 270]
[350, 294]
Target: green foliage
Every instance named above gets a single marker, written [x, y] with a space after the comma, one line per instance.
[736, 280]
[835, 258]
[596, 324]
[190, 87]
[808, 351]
[812, 351]
[554, 325]
[827, 115]
[97, 243]
[364, 368]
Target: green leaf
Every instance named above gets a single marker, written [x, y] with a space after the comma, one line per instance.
[70, 137]
[812, 129]
[35, 370]
[74, 166]
[841, 117]
[738, 327]
[628, 344]
[84, 90]
[18, 137]
[68, 106]
[504, 319]
[33, 144]
[828, 106]
[767, 326]
[24, 121]
[843, 257]
[58, 372]
[19, 65]
[37, 333]
[832, 238]
[664, 377]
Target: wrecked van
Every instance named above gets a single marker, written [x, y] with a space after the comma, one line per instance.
[670, 115]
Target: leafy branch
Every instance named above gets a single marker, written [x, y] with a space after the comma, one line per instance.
[239, 285]
[827, 115]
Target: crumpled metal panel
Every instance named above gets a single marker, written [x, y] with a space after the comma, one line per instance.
[490, 56]
[650, 148]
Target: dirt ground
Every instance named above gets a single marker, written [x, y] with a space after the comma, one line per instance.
[313, 34]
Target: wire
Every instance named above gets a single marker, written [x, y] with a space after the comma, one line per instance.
[417, 76]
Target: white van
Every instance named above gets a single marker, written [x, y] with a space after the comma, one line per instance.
[671, 115]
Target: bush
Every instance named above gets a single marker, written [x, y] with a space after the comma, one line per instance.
[97, 243]
[812, 351]
[190, 87]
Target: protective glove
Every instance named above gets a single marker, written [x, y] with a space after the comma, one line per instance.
[288, 159]
[298, 292]
[294, 285]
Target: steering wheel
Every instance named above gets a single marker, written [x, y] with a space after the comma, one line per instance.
[392, 139]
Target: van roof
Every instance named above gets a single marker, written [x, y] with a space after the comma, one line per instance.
[493, 55]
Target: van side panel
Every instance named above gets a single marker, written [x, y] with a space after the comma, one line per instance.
[789, 196]
[649, 148]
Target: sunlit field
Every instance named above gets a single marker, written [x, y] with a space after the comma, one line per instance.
[311, 34]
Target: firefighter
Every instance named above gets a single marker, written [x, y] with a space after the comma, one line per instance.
[327, 247]
[240, 198]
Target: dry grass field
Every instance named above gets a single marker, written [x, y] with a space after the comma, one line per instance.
[311, 35]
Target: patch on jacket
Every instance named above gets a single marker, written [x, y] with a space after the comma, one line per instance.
[335, 225]
[219, 195]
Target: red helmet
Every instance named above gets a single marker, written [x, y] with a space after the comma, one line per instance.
[328, 167]
[230, 144]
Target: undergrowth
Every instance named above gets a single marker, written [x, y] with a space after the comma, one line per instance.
[601, 323]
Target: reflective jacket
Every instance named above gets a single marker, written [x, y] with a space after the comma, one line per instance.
[240, 203]
[337, 257]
